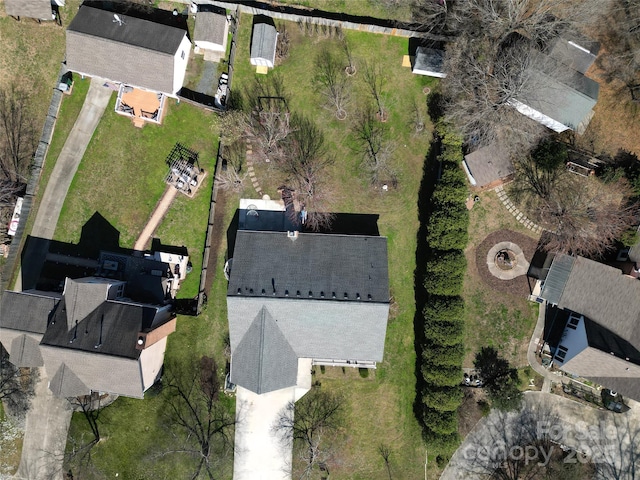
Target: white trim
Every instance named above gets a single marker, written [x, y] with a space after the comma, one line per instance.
[538, 116]
[468, 172]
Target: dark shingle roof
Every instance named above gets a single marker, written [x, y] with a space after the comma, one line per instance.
[114, 326]
[315, 265]
[210, 27]
[489, 164]
[138, 52]
[40, 9]
[263, 41]
[264, 360]
[25, 311]
[557, 278]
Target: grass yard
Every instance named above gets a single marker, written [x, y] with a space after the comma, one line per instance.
[496, 318]
[381, 406]
[372, 8]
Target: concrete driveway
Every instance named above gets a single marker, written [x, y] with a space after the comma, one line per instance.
[610, 440]
[259, 454]
[48, 419]
[59, 182]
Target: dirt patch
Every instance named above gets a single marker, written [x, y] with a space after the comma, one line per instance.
[217, 236]
[471, 410]
[518, 286]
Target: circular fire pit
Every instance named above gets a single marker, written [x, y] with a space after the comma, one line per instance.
[505, 261]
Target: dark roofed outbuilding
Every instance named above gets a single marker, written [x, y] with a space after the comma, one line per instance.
[263, 42]
[487, 165]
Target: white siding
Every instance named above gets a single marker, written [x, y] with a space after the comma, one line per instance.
[180, 64]
[151, 360]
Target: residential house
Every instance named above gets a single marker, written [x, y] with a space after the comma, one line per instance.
[600, 340]
[295, 300]
[429, 61]
[128, 51]
[487, 166]
[211, 33]
[38, 9]
[93, 336]
[263, 43]
[558, 94]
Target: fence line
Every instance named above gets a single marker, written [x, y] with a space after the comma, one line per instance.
[319, 17]
[32, 185]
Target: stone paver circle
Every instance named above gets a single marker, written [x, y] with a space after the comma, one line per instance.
[519, 265]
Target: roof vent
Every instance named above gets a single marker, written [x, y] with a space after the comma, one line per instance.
[310, 294]
[286, 293]
[369, 296]
[357, 296]
[292, 235]
[346, 295]
[333, 294]
[263, 291]
[297, 293]
[321, 294]
[251, 291]
[239, 291]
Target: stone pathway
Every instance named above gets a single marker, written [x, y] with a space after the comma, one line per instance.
[521, 217]
[252, 173]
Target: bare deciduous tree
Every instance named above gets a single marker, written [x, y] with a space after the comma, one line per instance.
[230, 175]
[375, 79]
[346, 48]
[199, 422]
[305, 424]
[334, 86]
[16, 385]
[375, 148]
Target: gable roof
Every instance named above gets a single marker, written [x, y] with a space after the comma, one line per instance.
[25, 352]
[40, 9]
[211, 27]
[263, 41]
[264, 360]
[27, 312]
[488, 164]
[311, 266]
[138, 52]
[575, 51]
[559, 92]
[65, 383]
[110, 329]
[82, 297]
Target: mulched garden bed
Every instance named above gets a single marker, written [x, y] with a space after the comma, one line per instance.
[518, 286]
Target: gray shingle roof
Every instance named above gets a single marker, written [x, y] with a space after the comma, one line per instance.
[263, 41]
[606, 296]
[429, 59]
[138, 52]
[313, 265]
[82, 297]
[264, 361]
[558, 92]
[24, 351]
[114, 326]
[210, 27]
[65, 383]
[40, 9]
[489, 164]
[25, 311]
[575, 51]
[557, 278]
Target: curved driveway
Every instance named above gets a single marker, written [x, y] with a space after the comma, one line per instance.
[49, 417]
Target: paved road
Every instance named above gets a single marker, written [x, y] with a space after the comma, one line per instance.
[49, 417]
[610, 440]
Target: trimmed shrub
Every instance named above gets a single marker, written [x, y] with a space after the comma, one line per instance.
[444, 273]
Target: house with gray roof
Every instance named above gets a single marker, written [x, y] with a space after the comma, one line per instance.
[38, 9]
[296, 295]
[556, 95]
[263, 42]
[92, 337]
[127, 50]
[601, 336]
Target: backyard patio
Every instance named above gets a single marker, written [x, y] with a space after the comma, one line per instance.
[141, 105]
